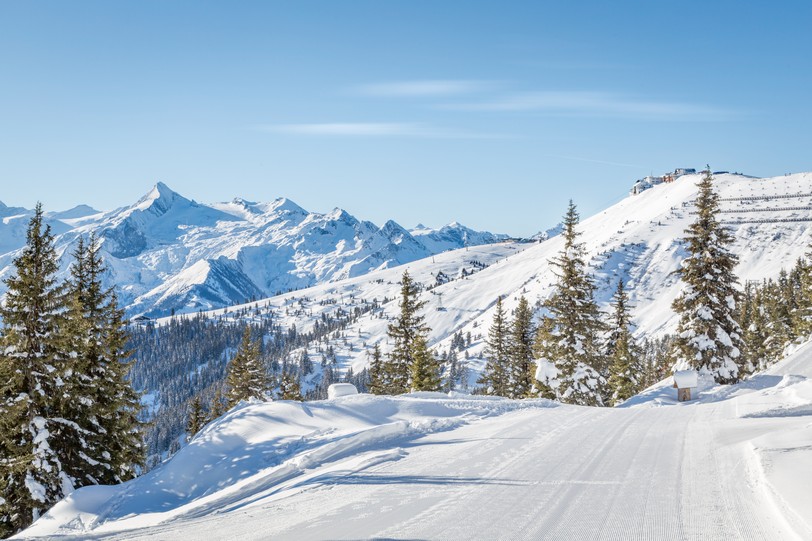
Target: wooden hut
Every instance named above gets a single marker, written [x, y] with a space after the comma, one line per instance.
[686, 382]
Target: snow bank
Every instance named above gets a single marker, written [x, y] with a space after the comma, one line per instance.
[256, 447]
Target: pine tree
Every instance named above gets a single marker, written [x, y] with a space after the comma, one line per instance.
[425, 369]
[520, 352]
[289, 388]
[625, 371]
[452, 369]
[31, 474]
[196, 419]
[805, 296]
[246, 377]
[568, 338]
[708, 335]
[377, 385]
[103, 402]
[754, 319]
[404, 332]
[496, 375]
[219, 405]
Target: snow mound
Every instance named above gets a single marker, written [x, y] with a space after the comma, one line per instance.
[248, 454]
[337, 390]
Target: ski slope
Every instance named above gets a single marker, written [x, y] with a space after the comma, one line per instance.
[734, 464]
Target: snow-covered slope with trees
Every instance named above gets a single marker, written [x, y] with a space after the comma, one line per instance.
[734, 464]
[638, 239]
[169, 254]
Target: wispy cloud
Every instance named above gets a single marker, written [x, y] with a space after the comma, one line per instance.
[376, 129]
[593, 104]
[427, 88]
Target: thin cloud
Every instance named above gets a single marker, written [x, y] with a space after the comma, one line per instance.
[376, 129]
[595, 104]
[426, 88]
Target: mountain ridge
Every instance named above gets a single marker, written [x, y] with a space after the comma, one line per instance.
[170, 254]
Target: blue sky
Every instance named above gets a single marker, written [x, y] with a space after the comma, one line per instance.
[490, 113]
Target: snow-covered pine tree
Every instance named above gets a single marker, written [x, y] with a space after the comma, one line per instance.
[246, 376]
[520, 351]
[425, 370]
[218, 406]
[804, 316]
[625, 369]
[404, 331]
[495, 377]
[708, 335]
[568, 342]
[377, 385]
[196, 419]
[102, 402]
[31, 475]
[753, 317]
[289, 387]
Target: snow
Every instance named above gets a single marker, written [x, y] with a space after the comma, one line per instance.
[547, 373]
[685, 379]
[735, 463]
[337, 390]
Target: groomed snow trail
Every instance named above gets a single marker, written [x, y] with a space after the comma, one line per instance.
[679, 472]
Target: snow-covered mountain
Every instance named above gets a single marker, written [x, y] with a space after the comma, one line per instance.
[637, 239]
[168, 253]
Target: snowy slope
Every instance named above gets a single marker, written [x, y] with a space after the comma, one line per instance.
[734, 464]
[169, 253]
[637, 239]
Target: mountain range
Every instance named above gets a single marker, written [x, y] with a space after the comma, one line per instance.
[169, 254]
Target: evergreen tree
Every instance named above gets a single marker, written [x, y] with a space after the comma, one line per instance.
[496, 375]
[453, 369]
[219, 405]
[625, 372]
[31, 474]
[568, 338]
[377, 385]
[755, 324]
[196, 419]
[708, 335]
[520, 351]
[404, 332]
[103, 405]
[425, 367]
[246, 375]
[804, 317]
[289, 388]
